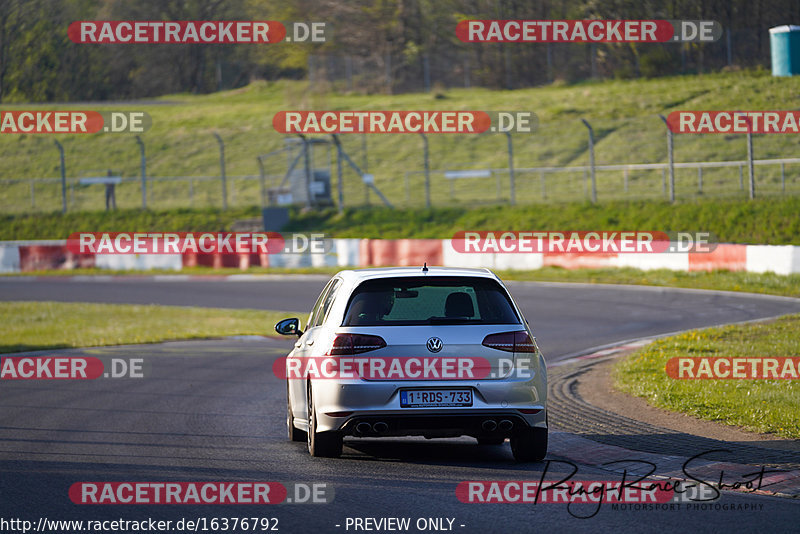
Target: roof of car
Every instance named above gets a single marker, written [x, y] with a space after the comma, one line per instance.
[358, 275]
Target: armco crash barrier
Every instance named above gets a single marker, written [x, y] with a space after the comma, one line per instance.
[17, 256]
[30, 256]
[730, 257]
[379, 252]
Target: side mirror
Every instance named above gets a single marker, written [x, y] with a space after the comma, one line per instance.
[289, 327]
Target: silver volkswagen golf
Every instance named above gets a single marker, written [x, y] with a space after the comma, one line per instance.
[434, 352]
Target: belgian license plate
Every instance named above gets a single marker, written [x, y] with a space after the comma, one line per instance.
[426, 398]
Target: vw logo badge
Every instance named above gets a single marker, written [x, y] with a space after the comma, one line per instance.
[434, 344]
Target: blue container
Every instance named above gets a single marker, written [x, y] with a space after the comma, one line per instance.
[784, 44]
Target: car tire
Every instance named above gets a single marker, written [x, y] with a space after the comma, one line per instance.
[491, 441]
[321, 444]
[292, 432]
[529, 445]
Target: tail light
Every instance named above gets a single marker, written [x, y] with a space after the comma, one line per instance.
[510, 342]
[349, 344]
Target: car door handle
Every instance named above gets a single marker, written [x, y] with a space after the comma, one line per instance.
[298, 344]
[310, 342]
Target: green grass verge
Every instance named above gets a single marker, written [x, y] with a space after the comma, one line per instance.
[765, 283]
[54, 325]
[762, 221]
[60, 226]
[758, 405]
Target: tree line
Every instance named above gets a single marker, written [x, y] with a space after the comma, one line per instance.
[375, 45]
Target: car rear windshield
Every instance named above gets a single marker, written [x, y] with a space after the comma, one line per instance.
[429, 300]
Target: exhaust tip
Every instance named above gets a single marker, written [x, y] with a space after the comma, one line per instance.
[363, 428]
[380, 427]
[505, 425]
[489, 425]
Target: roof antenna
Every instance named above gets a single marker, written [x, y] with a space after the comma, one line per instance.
[425, 267]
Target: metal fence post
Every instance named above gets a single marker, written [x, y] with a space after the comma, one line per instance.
[222, 170]
[307, 162]
[591, 159]
[368, 179]
[511, 178]
[365, 165]
[671, 161]
[63, 177]
[783, 177]
[699, 179]
[339, 182]
[262, 179]
[750, 167]
[143, 169]
[427, 171]
[544, 186]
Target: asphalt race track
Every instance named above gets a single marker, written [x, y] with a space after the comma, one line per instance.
[566, 318]
[213, 411]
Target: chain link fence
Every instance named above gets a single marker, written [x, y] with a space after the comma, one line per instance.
[551, 165]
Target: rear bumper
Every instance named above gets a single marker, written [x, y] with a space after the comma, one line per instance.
[372, 402]
[479, 425]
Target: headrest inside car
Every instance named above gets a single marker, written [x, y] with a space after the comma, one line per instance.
[459, 305]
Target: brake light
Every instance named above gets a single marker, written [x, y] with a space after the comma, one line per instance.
[510, 342]
[349, 344]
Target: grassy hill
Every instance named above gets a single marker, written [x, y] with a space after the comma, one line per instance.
[769, 221]
[623, 114]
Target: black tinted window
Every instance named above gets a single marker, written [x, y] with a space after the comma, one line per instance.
[326, 305]
[429, 300]
[316, 310]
